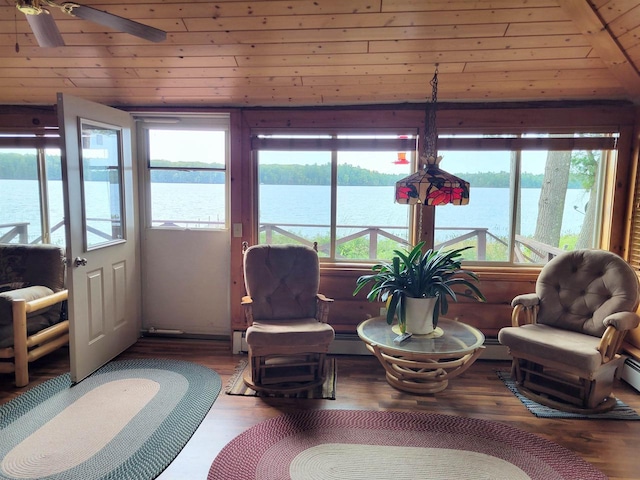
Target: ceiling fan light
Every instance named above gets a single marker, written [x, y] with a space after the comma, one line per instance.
[29, 7]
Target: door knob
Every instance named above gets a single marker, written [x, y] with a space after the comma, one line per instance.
[80, 261]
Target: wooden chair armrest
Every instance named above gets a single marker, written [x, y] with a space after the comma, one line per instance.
[610, 343]
[247, 307]
[322, 313]
[35, 305]
[524, 315]
[322, 298]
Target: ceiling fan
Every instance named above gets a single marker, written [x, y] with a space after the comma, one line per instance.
[46, 31]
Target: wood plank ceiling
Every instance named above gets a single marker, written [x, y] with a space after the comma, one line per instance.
[330, 52]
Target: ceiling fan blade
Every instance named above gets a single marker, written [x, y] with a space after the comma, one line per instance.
[119, 23]
[45, 29]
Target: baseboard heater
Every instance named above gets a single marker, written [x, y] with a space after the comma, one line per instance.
[350, 344]
[631, 372]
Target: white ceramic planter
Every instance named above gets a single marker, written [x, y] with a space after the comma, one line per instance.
[419, 315]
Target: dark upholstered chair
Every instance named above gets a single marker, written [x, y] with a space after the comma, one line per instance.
[565, 337]
[32, 294]
[288, 335]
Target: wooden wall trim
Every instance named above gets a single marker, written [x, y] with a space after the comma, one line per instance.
[23, 119]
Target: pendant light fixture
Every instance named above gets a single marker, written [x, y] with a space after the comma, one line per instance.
[431, 185]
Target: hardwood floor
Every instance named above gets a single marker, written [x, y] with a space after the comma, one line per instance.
[610, 445]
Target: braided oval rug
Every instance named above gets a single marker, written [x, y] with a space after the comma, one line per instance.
[128, 420]
[373, 445]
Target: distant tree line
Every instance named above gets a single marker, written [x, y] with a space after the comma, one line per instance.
[501, 180]
[16, 166]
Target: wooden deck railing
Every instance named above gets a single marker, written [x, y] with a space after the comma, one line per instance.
[18, 229]
[538, 251]
[480, 234]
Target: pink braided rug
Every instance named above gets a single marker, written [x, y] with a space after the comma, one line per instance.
[355, 444]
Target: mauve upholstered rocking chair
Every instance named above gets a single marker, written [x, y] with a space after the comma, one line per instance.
[565, 337]
[287, 331]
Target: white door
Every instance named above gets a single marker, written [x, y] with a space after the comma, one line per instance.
[103, 270]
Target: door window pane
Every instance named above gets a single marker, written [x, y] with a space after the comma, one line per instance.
[101, 184]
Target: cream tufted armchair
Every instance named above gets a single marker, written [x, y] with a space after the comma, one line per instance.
[565, 337]
[288, 335]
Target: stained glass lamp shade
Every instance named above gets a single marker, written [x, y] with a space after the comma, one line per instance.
[431, 185]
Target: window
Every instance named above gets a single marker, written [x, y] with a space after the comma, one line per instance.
[101, 165]
[530, 199]
[187, 167]
[634, 239]
[336, 189]
[31, 195]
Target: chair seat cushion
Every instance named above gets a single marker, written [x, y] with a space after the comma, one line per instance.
[573, 349]
[34, 325]
[301, 332]
[29, 294]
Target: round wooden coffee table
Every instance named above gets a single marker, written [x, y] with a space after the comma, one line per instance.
[423, 363]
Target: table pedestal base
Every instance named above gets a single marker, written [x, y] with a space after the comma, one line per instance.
[422, 373]
[420, 388]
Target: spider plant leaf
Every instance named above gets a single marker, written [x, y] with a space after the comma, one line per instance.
[391, 308]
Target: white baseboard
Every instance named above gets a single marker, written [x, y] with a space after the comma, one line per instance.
[631, 372]
[350, 344]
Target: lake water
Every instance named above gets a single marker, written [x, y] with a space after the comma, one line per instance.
[302, 205]
[365, 206]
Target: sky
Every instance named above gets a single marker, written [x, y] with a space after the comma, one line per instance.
[453, 162]
[181, 145]
[185, 145]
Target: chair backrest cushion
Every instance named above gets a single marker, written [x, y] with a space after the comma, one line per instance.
[579, 289]
[282, 280]
[29, 272]
[31, 265]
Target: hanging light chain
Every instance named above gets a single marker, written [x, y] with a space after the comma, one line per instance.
[430, 131]
[430, 152]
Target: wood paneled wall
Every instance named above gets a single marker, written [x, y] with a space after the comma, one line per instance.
[499, 284]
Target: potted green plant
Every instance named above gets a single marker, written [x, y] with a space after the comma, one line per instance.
[432, 276]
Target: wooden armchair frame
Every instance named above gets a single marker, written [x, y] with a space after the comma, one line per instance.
[287, 366]
[27, 348]
[544, 380]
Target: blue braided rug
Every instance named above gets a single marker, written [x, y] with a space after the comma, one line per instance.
[621, 411]
[129, 419]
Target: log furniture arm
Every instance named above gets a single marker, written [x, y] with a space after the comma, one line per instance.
[27, 348]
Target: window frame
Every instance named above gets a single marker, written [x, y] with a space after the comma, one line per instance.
[210, 121]
[551, 139]
[40, 143]
[335, 141]
[452, 139]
